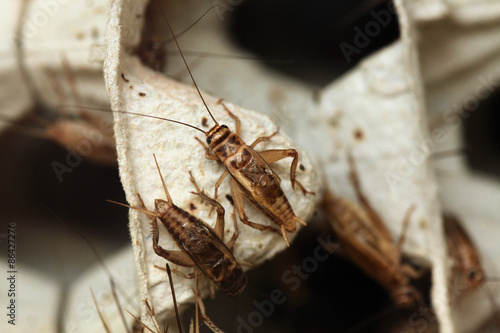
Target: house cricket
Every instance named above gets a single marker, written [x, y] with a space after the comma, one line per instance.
[201, 246]
[468, 274]
[369, 244]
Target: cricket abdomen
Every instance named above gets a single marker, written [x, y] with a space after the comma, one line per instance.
[274, 204]
[184, 227]
[206, 249]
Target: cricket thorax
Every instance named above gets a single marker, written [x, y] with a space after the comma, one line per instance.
[229, 145]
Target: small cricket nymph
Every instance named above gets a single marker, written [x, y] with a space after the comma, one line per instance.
[200, 245]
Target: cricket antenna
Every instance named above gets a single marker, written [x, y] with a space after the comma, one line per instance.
[190, 26]
[136, 114]
[189, 70]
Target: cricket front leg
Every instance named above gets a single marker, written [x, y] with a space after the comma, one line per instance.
[217, 185]
[274, 155]
[208, 154]
[219, 182]
[404, 230]
[188, 276]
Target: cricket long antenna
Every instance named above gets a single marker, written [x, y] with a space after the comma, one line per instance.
[492, 279]
[147, 212]
[189, 26]
[189, 70]
[450, 153]
[101, 316]
[169, 199]
[135, 114]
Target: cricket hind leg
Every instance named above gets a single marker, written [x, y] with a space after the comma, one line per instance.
[274, 155]
[240, 208]
[177, 257]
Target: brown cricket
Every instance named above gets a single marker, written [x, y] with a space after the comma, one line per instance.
[200, 245]
[368, 242]
[252, 177]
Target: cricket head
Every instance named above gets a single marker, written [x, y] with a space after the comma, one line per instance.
[473, 276]
[217, 134]
[161, 206]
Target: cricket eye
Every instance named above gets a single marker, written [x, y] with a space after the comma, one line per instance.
[474, 274]
[224, 126]
[209, 139]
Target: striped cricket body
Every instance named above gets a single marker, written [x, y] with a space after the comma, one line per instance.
[200, 245]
